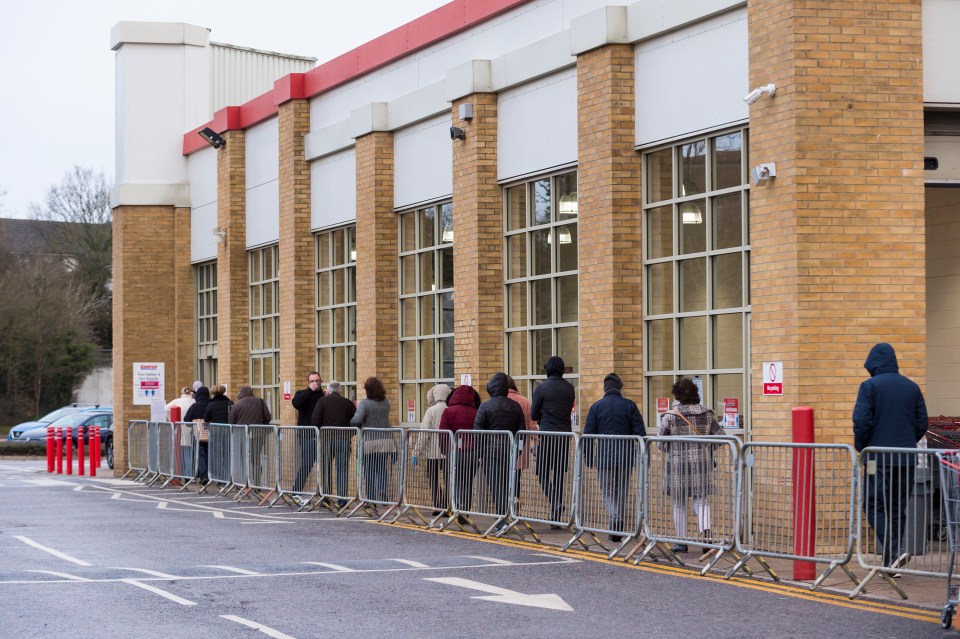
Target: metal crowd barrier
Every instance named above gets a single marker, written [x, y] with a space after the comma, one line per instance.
[165, 454]
[238, 458]
[381, 469]
[261, 460]
[297, 472]
[185, 453]
[426, 474]
[608, 479]
[900, 516]
[219, 457]
[797, 502]
[137, 449]
[338, 467]
[543, 480]
[153, 450]
[684, 473]
[482, 478]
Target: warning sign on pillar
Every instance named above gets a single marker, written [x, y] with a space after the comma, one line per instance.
[773, 378]
[286, 391]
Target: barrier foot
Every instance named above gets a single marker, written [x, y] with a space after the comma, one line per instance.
[167, 483]
[359, 505]
[346, 506]
[184, 487]
[387, 512]
[243, 492]
[227, 488]
[126, 474]
[595, 539]
[826, 573]
[850, 574]
[575, 537]
[492, 527]
[716, 555]
[278, 497]
[433, 522]
[623, 544]
[641, 540]
[646, 551]
[737, 566]
[267, 496]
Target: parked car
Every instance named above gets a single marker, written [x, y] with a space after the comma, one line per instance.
[17, 431]
[73, 421]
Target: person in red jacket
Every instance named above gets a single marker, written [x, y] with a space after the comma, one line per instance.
[460, 414]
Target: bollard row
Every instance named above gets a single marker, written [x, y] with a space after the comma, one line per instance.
[59, 448]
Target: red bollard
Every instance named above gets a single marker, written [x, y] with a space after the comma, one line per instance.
[69, 444]
[804, 495]
[94, 450]
[50, 446]
[80, 451]
[96, 445]
[59, 436]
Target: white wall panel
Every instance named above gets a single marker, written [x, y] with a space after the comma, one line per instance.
[241, 74]
[423, 162]
[202, 244]
[693, 79]
[941, 51]
[263, 152]
[203, 177]
[333, 189]
[263, 214]
[537, 126]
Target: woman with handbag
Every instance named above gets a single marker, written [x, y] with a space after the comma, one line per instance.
[689, 466]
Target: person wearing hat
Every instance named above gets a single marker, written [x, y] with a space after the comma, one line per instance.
[614, 414]
[552, 409]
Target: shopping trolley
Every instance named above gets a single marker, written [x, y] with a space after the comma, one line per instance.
[950, 488]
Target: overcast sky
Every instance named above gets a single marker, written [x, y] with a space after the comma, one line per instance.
[57, 69]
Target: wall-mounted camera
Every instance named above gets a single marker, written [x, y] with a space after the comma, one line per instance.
[763, 173]
[756, 94]
[457, 133]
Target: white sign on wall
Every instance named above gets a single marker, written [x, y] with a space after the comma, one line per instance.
[147, 383]
[773, 378]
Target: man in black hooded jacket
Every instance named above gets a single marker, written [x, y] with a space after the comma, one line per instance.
[551, 407]
[498, 413]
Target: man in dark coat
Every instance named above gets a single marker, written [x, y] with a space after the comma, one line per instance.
[889, 412]
[250, 410]
[334, 409]
[614, 415]
[197, 409]
[551, 407]
[305, 401]
[498, 413]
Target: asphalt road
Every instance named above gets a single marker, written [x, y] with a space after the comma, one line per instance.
[83, 557]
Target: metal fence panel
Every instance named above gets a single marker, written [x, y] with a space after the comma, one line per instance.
[262, 457]
[184, 452]
[218, 454]
[238, 456]
[339, 465]
[482, 478]
[426, 473]
[545, 495]
[137, 448]
[166, 457]
[297, 470]
[153, 448]
[381, 469]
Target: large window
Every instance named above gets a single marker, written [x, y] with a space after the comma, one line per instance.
[337, 308]
[265, 326]
[205, 278]
[542, 317]
[426, 304]
[696, 263]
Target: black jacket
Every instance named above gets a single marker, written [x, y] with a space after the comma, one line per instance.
[218, 410]
[553, 399]
[890, 410]
[333, 410]
[199, 406]
[499, 412]
[305, 401]
[613, 415]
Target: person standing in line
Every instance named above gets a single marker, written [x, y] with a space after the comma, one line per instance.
[251, 410]
[186, 433]
[529, 441]
[184, 402]
[374, 412]
[197, 411]
[460, 415]
[689, 466]
[614, 414]
[426, 446]
[304, 401]
[334, 409]
[498, 413]
[890, 412]
[552, 406]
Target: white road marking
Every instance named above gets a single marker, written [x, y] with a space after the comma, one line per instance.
[409, 562]
[158, 591]
[270, 632]
[55, 553]
[330, 566]
[65, 575]
[239, 571]
[492, 560]
[502, 595]
[146, 571]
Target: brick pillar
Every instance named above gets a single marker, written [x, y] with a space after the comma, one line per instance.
[610, 229]
[377, 312]
[478, 243]
[837, 239]
[233, 285]
[297, 314]
[144, 319]
[184, 368]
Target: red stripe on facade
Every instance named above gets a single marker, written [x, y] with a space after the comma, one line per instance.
[428, 29]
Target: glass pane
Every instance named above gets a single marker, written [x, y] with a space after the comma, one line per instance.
[447, 357]
[693, 232]
[339, 325]
[541, 303]
[693, 342]
[269, 371]
[541, 202]
[566, 196]
[339, 364]
[326, 367]
[542, 344]
[566, 247]
[728, 341]
[408, 360]
[339, 251]
[324, 323]
[408, 317]
[446, 268]
[728, 386]
[351, 355]
[254, 266]
[657, 387]
[568, 348]
[728, 280]
[727, 170]
[408, 274]
[660, 175]
[727, 221]
[660, 348]
[336, 278]
[408, 393]
[660, 232]
[660, 288]
[567, 303]
[427, 314]
[256, 373]
[446, 300]
[268, 333]
[408, 232]
[256, 336]
[255, 306]
[350, 274]
[428, 276]
[517, 304]
[517, 353]
[351, 232]
[693, 285]
[540, 247]
[693, 168]
[517, 256]
[446, 223]
[428, 365]
[351, 323]
[270, 266]
[517, 207]
[428, 227]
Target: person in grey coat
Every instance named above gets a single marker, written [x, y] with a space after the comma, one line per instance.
[378, 448]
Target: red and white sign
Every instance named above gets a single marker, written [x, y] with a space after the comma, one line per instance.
[773, 378]
[148, 383]
[663, 405]
[286, 391]
[731, 412]
[411, 410]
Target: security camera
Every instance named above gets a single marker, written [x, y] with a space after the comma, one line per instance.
[457, 133]
[753, 96]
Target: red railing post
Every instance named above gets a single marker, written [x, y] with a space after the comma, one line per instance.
[94, 447]
[59, 451]
[96, 430]
[68, 442]
[804, 495]
[80, 451]
[50, 448]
